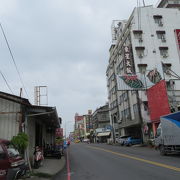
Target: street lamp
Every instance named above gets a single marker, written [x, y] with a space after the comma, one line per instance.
[65, 126]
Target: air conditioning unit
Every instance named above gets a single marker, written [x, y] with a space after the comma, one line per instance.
[140, 55]
[140, 40]
[160, 23]
[163, 39]
[168, 72]
[164, 55]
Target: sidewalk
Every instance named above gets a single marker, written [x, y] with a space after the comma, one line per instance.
[50, 168]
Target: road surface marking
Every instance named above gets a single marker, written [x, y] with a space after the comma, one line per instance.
[68, 168]
[138, 159]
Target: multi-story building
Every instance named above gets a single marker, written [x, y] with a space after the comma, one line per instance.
[79, 126]
[100, 117]
[88, 123]
[145, 50]
[83, 125]
[101, 124]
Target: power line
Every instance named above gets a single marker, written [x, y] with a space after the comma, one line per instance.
[6, 82]
[12, 56]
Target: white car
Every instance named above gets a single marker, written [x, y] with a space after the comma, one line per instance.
[86, 140]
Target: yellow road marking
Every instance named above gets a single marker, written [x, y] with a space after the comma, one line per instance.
[138, 159]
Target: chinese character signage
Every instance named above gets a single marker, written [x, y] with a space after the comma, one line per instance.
[177, 32]
[128, 60]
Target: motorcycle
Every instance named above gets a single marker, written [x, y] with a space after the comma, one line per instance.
[38, 157]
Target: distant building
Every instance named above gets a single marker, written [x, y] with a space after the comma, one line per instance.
[79, 126]
[100, 117]
[101, 124]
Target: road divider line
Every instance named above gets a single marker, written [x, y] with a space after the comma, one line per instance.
[138, 159]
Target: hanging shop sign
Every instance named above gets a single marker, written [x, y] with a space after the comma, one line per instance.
[128, 60]
[132, 81]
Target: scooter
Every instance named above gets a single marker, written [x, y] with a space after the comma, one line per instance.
[38, 157]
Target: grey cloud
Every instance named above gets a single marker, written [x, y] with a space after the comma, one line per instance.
[62, 44]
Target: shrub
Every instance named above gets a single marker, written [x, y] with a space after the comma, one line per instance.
[20, 142]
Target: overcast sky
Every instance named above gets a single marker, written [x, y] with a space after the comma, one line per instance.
[62, 44]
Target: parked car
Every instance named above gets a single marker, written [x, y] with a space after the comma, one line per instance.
[132, 141]
[86, 140]
[12, 165]
[122, 140]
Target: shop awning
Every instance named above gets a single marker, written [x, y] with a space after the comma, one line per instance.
[103, 134]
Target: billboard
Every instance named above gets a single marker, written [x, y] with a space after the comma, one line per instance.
[131, 82]
[158, 101]
[138, 81]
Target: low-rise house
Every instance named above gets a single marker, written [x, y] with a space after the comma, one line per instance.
[38, 122]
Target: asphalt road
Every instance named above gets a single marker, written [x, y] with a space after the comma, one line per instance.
[107, 162]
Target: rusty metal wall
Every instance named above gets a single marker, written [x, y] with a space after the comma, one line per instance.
[9, 118]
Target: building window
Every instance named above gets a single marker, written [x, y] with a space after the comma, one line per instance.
[140, 51]
[158, 20]
[145, 103]
[138, 35]
[161, 35]
[127, 113]
[123, 114]
[125, 96]
[135, 108]
[142, 68]
[163, 51]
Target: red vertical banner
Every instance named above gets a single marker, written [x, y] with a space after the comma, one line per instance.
[177, 33]
[59, 132]
[158, 101]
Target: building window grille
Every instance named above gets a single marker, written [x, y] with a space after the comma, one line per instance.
[135, 108]
[138, 35]
[163, 51]
[142, 68]
[161, 35]
[140, 51]
[158, 20]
